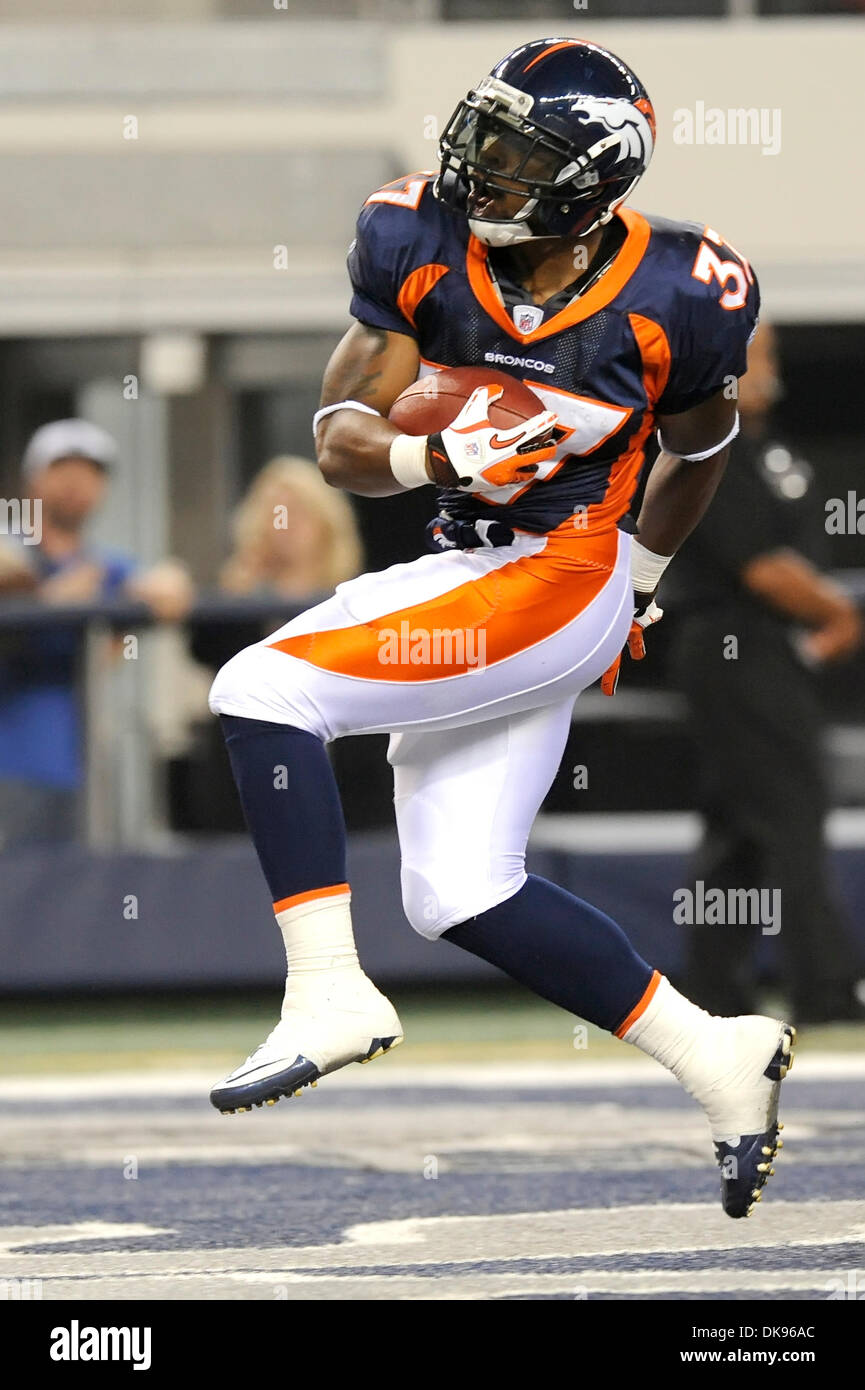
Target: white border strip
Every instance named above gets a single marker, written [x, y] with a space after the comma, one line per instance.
[661, 832]
[454, 1076]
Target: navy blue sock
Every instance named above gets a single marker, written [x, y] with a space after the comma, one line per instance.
[291, 804]
[562, 948]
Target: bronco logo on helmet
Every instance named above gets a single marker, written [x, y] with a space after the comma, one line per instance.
[622, 120]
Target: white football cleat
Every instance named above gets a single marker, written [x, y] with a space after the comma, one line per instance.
[742, 1071]
[347, 1020]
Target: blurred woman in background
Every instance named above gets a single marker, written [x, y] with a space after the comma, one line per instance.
[294, 539]
[294, 536]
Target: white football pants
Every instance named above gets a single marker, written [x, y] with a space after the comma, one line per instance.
[471, 660]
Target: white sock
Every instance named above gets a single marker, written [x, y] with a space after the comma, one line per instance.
[672, 1030]
[320, 952]
[720, 1061]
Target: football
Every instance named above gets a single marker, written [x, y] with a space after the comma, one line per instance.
[433, 403]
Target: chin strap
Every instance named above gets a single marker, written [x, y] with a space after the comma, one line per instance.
[513, 233]
[497, 234]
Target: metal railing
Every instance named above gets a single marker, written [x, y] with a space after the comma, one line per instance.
[124, 799]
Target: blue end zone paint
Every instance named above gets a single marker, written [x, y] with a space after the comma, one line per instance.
[211, 1207]
[214, 1205]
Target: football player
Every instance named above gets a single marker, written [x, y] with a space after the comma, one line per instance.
[519, 254]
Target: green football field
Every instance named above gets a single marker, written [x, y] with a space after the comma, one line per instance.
[215, 1032]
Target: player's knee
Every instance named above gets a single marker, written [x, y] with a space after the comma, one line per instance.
[250, 687]
[421, 903]
[232, 684]
[438, 896]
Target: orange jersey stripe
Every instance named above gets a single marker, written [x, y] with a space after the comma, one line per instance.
[415, 286]
[623, 481]
[655, 354]
[515, 607]
[336, 891]
[640, 1008]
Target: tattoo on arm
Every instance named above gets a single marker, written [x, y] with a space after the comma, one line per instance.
[365, 386]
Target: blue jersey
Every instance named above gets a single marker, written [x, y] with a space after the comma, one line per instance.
[664, 328]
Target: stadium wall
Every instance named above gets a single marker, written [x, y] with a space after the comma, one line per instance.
[250, 135]
[199, 917]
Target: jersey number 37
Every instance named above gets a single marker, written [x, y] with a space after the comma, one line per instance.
[733, 276]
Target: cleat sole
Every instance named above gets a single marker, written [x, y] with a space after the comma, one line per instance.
[288, 1083]
[783, 1058]
[735, 1201]
[379, 1047]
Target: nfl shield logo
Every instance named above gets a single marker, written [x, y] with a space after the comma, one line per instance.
[527, 317]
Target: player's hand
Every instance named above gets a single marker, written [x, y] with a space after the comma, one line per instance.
[472, 455]
[646, 612]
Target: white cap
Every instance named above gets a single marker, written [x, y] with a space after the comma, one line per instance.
[64, 439]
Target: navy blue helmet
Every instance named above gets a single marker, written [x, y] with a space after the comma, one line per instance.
[562, 124]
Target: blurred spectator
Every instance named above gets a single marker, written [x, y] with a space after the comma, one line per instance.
[759, 621]
[295, 539]
[65, 472]
[294, 536]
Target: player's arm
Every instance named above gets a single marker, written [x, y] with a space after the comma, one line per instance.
[710, 322]
[680, 488]
[359, 450]
[708, 346]
[678, 492]
[370, 366]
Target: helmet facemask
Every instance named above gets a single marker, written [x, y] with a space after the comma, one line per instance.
[493, 154]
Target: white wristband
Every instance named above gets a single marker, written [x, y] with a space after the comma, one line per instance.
[341, 405]
[646, 568]
[408, 459]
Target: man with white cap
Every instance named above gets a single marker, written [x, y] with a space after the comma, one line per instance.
[66, 472]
